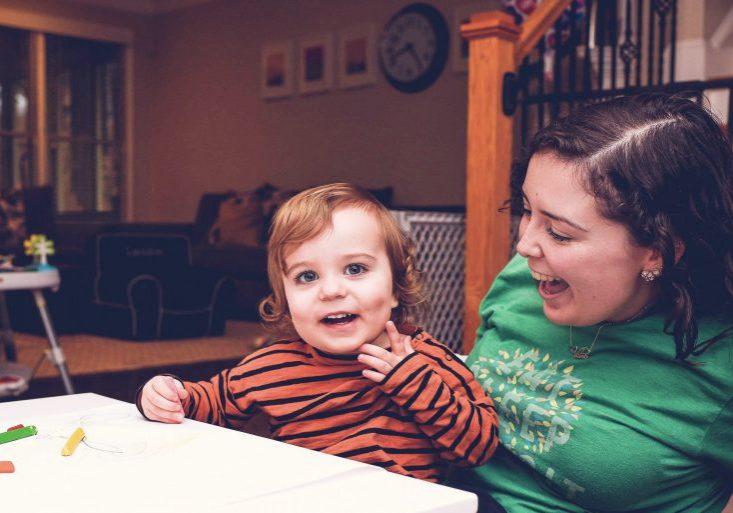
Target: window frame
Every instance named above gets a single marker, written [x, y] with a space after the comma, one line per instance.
[39, 25]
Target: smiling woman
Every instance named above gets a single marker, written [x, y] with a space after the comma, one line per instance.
[565, 240]
[613, 326]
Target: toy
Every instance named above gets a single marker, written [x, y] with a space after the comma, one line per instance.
[40, 248]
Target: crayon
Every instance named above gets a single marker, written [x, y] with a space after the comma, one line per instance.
[76, 437]
[17, 434]
[6, 467]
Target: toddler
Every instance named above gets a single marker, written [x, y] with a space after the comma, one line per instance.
[345, 380]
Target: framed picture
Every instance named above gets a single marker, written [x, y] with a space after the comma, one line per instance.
[459, 46]
[276, 75]
[315, 56]
[357, 56]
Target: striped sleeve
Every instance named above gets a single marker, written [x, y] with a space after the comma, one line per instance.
[447, 403]
[213, 402]
[227, 399]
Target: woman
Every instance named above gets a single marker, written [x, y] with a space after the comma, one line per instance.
[606, 342]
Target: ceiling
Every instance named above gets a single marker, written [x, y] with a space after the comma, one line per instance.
[143, 6]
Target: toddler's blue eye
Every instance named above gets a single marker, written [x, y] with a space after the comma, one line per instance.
[306, 277]
[354, 269]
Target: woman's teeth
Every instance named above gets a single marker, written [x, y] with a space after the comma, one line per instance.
[542, 277]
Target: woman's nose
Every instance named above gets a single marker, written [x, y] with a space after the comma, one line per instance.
[528, 244]
[331, 288]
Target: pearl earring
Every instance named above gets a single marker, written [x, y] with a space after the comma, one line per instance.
[650, 274]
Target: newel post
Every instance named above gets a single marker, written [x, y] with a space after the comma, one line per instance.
[492, 38]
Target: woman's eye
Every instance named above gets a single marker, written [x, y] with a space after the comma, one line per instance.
[354, 269]
[557, 236]
[526, 212]
[306, 277]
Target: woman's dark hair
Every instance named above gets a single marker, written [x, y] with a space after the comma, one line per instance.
[662, 166]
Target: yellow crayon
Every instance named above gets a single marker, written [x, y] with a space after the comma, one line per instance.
[74, 440]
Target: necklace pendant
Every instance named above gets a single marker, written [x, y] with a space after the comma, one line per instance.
[580, 353]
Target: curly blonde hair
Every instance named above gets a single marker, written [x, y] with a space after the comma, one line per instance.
[305, 216]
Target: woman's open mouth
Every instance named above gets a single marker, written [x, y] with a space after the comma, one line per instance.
[339, 318]
[549, 285]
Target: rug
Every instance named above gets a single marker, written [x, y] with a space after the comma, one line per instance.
[115, 368]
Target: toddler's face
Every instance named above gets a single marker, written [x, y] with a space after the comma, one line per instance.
[339, 284]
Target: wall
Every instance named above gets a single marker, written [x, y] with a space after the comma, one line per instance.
[211, 131]
[702, 53]
[200, 124]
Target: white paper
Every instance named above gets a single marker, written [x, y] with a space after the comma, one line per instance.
[127, 463]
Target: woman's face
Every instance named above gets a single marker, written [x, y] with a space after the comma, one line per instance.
[587, 266]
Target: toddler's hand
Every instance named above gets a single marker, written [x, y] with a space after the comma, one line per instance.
[382, 361]
[161, 399]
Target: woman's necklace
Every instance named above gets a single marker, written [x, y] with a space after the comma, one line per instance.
[585, 352]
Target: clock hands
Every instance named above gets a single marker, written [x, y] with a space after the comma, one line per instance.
[405, 48]
[409, 48]
[412, 52]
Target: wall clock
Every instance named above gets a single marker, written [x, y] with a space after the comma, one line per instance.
[413, 47]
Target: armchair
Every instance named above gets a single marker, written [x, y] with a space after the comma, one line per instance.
[145, 288]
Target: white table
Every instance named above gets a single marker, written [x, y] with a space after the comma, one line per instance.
[188, 467]
[35, 281]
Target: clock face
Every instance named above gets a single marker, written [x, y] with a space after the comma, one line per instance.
[414, 47]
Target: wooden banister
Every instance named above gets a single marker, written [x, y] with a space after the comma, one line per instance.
[496, 45]
[492, 38]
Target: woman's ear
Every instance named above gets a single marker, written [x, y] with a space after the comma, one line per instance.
[652, 261]
[654, 258]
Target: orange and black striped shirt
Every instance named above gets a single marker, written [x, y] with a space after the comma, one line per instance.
[427, 413]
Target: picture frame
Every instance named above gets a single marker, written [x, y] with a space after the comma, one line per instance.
[315, 58]
[459, 46]
[276, 73]
[357, 56]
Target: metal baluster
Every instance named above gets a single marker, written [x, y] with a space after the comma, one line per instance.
[627, 47]
[673, 43]
[639, 40]
[661, 10]
[650, 60]
[601, 40]
[614, 44]
[557, 70]
[587, 64]
[573, 48]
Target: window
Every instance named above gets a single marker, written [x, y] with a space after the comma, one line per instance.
[74, 140]
[84, 124]
[15, 130]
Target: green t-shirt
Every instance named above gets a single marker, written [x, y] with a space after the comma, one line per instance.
[629, 429]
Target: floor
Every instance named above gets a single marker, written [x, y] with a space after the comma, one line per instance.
[116, 368]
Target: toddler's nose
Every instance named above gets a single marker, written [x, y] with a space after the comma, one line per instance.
[331, 288]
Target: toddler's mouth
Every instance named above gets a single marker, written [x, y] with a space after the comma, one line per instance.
[339, 318]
